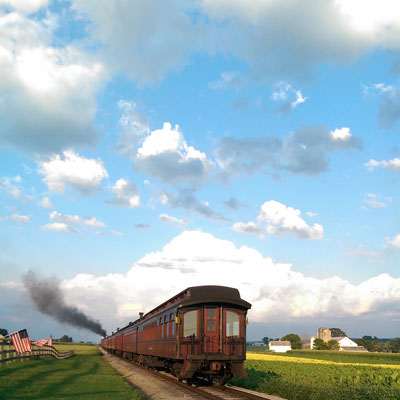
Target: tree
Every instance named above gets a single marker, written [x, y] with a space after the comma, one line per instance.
[293, 339]
[394, 345]
[65, 338]
[319, 344]
[337, 332]
[265, 340]
[333, 345]
[3, 331]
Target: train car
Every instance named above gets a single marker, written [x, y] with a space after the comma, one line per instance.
[199, 333]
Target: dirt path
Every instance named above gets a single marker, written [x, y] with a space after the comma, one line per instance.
[154, 388]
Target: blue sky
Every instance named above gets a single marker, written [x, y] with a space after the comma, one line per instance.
[148, 147]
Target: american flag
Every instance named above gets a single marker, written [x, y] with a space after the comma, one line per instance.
[41, 342]
[21, 341]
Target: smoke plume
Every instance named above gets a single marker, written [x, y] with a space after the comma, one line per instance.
[49, 299]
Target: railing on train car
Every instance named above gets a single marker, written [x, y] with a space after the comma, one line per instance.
[8, 353]
[232, 345]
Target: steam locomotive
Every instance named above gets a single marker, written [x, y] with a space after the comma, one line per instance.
[199, 333]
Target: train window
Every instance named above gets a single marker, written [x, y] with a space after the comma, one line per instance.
[210, 326]
[232, 324]
[210, 313]
[190, 323]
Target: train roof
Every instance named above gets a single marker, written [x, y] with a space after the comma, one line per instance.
[196, 295]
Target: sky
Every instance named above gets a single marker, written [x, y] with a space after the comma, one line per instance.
[146, 147]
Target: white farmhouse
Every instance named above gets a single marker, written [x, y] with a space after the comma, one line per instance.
[280, 346]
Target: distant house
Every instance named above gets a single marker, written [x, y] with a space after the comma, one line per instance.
[258, 344]
[280, 346]
[344, 342]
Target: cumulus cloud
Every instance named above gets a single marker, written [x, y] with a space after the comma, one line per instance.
[394, 164]
[58, 227]
[91, 222]
[249, 227]
[186, 200]
[116, 233]
[126, 194]
[81, 174]
[395, 242]
[45, 203]
[287, 39]
[165, 155]
[287, 97]
[141, 226]
[25, 6]
[389, 109]
[50, 90]
[134, 126]
[197, 258]
[278, 219]
[283, 220]
[21, 219]
[304, 151]
[169, 219]
[143, 40]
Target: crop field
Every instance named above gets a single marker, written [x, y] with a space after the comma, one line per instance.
[84, 376]
[297, 377]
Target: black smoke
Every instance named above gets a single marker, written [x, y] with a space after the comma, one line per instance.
[49, 300]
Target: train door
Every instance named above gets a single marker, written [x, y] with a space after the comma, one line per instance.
[211, 329]
[234, 342]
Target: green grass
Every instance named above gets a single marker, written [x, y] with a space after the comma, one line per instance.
[84, 376]
[302, 380]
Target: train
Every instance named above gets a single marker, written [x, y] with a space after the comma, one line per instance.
[199, 334]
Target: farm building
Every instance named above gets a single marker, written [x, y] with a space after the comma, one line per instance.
[345, 343]
[280, 346]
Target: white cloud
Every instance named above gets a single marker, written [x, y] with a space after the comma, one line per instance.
[282, 220]
[116, 233]
[197, 258]
[395, 241]
[134, 127]
[168, 219]
[362, 251]
[375, 201]
[126, 194]
[82, 174]
[45, 203]
[143, 40]
[187, 200]
[390, 164]
[304, 151]
[50, 90]
[288, 97]
[228, 80]
[25, 6]
[165, 155]
[288, 39]
[341, 134]
[21, 219]
[75, 219]
[311, 214]
[58, 227]
[249, 227]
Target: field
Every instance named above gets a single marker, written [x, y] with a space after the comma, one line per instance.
[314, 375]
[83, 376]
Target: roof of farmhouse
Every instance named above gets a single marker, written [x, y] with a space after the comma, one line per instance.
[279, 343]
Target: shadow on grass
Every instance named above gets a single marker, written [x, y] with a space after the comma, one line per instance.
[254, 379]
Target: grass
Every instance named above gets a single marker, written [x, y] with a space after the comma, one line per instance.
[323, 376]
[84, 376]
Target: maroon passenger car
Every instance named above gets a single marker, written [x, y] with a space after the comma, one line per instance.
[200, 332]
